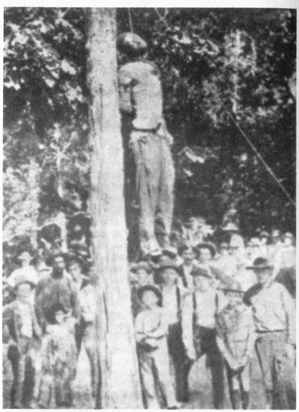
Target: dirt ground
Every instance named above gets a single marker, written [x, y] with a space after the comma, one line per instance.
[199, 383]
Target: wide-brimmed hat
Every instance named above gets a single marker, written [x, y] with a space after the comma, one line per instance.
[168, 264]
[224, 245]
[260, 263]
[71, 258]
[233, 287]
[21, 279]
[199, 271]
[230, 227]
[151, 288]
[141, 266]
[182, 249]
[170, 251]
[209, 246]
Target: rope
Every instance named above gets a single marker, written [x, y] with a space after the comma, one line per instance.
[130, 21]
[262, 160]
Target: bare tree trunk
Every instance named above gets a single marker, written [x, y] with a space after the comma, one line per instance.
[120, 386]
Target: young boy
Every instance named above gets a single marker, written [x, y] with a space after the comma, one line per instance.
[59, 358]
[151, 335]
[235, 339]
[20, 320]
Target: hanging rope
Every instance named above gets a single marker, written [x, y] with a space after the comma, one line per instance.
[130, 21]
[261, 159]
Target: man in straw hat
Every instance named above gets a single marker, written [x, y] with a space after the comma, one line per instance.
[20, 320]
[141, 103]
[274, 316]
[151, 333]
[235, 340]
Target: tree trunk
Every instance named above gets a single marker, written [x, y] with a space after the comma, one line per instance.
[120, 386]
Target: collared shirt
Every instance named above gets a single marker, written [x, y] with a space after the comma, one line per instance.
[141, 94]
[273, 309]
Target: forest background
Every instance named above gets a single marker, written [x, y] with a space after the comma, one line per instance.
[220, 68]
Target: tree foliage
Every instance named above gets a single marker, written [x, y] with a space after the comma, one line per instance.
[217, 65]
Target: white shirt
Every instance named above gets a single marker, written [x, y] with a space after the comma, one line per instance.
[170, 304]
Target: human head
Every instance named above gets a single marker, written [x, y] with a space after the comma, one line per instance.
[264, 236]
[223, 249]
[57, 313]
[75, 266]
[233, 292]
[58, 263]
[262, 269]
[168, 272]
[142, 272]
[24, 257]
[206, 252]
[23, 290]
[288, 239]
[150, 295]
[275, 236]
[201, 278]
[132, 45]
[188, 253]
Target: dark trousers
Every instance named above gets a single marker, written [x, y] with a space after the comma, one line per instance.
[181, 362]
[205, 343]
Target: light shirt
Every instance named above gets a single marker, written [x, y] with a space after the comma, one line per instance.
[141, 93]
[205, 308]
[25, 311]
[274, 310]
[170, 304]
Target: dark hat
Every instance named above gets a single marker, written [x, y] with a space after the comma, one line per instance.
[141, 266]
[151, 288]
[131, 44]
[209, 246]
[168, 264]
[50, 259]
[260, 263]
[182, 249]
[56, 307]
[21, 279]
[233, 287]
[199, 271]
[170, 251]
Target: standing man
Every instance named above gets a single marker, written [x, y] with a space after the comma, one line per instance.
[275, 323]
[188, 255]
[172, 301]
[199, 328]
[57, 287]
[141, 103]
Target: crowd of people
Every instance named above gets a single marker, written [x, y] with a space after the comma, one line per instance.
[195, 297]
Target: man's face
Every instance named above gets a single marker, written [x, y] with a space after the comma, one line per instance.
[23, 291]
[169, 276]
[201, 282]
[263, 240]
[58, 264]
[224, 251]
[75, 271]
[288, 241]
[205, 255]
[142, 277]
[234, 250]
[275, 239]
[59, 316]
[149, 299]
[263, 275]
[188, 255]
